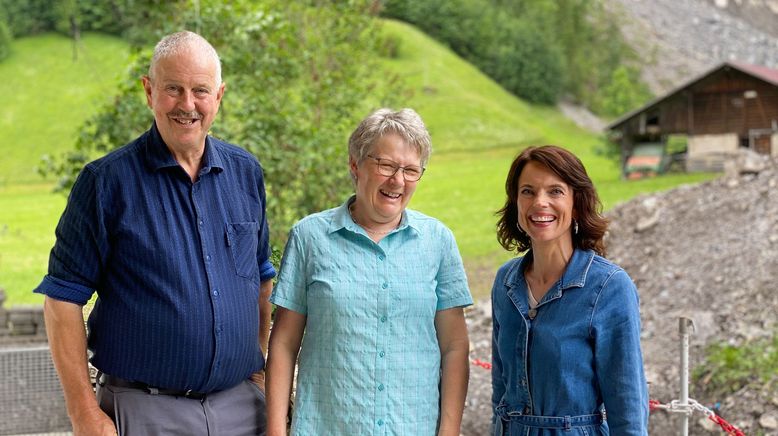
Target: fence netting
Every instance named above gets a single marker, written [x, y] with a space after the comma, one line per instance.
[31, 399]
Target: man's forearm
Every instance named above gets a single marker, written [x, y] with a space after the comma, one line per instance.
[67, 340]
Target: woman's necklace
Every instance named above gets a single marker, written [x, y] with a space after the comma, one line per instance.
[368, 229]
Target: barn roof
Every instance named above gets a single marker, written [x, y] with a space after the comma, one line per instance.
[766, 74]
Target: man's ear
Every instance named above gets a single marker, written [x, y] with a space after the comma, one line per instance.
[147, 88]
[220, 92]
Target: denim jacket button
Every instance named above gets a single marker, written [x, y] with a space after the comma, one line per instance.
[526, 410]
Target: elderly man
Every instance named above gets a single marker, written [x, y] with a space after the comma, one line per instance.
[170, 231]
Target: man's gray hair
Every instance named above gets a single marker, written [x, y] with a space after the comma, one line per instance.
[176, 43]
[405, 123]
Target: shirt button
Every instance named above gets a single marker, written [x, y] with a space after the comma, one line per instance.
[383, 319]
[207, 257]
[381, 354]
[200, 222]
[385, 285]
[218, 330]
[380, 387]
[215, 292]
[380, 422]
[381, 257]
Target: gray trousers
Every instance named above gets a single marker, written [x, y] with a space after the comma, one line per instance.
[238, 411]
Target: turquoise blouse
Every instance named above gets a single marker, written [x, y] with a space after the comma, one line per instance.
[369, 362]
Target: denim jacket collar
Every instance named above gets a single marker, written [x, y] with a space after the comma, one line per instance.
[573, 277]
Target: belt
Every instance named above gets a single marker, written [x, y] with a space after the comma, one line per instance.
[105, 379]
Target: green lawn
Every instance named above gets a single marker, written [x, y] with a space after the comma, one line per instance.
[48, 96]
[28, 215]
[477, 129]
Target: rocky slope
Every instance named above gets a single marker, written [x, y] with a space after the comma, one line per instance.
[680, 39]
[708, 252]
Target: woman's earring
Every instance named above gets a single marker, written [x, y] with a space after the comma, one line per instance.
[519, 228]
[575, 227]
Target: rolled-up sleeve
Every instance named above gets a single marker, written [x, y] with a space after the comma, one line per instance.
[266, 269]
[290, 291]
[452, 289]
[77, 259]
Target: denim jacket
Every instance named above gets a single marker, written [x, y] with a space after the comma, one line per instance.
[558, 368]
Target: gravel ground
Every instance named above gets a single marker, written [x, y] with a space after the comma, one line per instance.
[708, 252]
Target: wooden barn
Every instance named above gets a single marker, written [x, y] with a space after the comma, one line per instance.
[732, 106]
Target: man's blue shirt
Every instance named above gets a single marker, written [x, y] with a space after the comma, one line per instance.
[176, 265]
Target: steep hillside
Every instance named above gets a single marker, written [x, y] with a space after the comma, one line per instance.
[762, 14]
[679, 39]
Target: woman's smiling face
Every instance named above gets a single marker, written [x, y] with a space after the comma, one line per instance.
[382, 199]
[545, 205]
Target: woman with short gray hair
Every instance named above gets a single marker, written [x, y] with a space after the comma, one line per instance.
[371, 295]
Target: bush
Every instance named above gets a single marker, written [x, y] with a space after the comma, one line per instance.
[5, 39]
[299, 78]
[536, 49]
[623, 93]
[524, 63]
[729, 368]
[507, 48]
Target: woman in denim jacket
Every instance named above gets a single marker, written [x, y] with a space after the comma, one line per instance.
[566, 337]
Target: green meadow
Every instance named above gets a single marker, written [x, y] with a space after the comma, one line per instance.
[49, 94]
[477, 128]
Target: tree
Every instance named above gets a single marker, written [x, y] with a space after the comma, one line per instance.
[5, 38]
[300, 76]
[623, 93]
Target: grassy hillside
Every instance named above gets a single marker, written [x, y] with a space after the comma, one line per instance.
[477, 129]
[48, 97]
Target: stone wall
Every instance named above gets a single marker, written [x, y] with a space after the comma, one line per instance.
[21, 324]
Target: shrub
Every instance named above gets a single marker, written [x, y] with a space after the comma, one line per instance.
[508, 48]
[299, 78]
[623, 93]
[728, 368]
[5, 39]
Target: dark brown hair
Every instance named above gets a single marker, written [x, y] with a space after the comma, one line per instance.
[587, 208]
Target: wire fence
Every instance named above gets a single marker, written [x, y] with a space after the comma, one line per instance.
[31, 399]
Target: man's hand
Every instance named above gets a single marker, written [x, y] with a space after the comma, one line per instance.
[258, 378]
[93, 422]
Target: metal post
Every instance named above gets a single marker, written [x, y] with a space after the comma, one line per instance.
[685, 326]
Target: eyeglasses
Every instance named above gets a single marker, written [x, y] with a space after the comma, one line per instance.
[389, 168]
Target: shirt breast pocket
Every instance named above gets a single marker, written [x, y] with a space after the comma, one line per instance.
[243, 239]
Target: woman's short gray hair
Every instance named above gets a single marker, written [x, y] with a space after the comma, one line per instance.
[405, 123]
[178, 42]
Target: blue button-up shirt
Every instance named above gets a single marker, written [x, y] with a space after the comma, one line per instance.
[176, 265]
[578, 352]
[370, 358]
